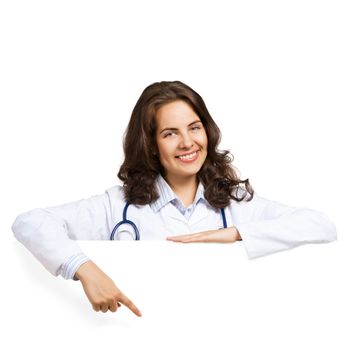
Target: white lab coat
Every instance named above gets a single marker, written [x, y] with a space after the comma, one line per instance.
[265, 226]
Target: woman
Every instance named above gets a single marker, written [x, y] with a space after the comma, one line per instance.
[177, 186]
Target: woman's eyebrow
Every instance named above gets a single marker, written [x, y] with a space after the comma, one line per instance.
[196, 121]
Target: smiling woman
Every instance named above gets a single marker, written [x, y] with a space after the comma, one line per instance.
[179, 187]
[172, 134]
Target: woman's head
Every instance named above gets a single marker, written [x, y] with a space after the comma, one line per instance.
[170, 120]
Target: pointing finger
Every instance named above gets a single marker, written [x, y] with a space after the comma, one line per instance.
[128, 303]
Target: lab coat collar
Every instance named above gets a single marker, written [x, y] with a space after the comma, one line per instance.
[167, 195]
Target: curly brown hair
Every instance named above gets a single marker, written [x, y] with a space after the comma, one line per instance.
[141, 165]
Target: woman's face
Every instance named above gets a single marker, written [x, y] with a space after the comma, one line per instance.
[181, 140]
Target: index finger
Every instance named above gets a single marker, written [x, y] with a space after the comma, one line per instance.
[129, 304]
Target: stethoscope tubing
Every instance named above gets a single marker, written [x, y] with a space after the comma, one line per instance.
[136, 231]
[125, 221]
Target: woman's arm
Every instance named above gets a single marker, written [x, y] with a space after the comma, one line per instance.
[268, 226]
[225, 235]
[50, 235]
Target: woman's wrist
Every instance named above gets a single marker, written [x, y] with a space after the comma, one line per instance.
[83, 270]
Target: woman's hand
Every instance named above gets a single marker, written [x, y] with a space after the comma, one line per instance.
[225, 235]
[101, 291]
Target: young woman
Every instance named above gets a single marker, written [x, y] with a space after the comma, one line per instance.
[177, 186]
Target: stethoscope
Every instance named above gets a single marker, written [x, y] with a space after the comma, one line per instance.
[136, 231]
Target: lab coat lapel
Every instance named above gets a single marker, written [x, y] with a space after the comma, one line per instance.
[174, 213]
[200, 213]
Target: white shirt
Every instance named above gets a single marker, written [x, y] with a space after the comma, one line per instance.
[167, 195]
[265, 226]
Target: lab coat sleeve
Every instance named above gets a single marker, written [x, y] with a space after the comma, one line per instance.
[268, 226]
[50, 233]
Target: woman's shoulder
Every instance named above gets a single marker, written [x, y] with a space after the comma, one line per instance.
[116, 192]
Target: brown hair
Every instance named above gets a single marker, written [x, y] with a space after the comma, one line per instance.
[141, 165]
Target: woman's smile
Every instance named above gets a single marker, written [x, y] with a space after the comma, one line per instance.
[189, 157]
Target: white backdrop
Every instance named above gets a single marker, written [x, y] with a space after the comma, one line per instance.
[275, 77]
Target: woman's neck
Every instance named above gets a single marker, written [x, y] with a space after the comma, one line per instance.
[185, 188]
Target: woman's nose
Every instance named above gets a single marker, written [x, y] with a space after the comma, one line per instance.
[186, 141]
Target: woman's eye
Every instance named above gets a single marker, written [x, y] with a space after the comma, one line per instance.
[171, 133]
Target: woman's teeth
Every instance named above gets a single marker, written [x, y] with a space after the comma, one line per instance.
[188, 156]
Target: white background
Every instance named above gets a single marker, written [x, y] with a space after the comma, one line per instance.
[275, 77]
